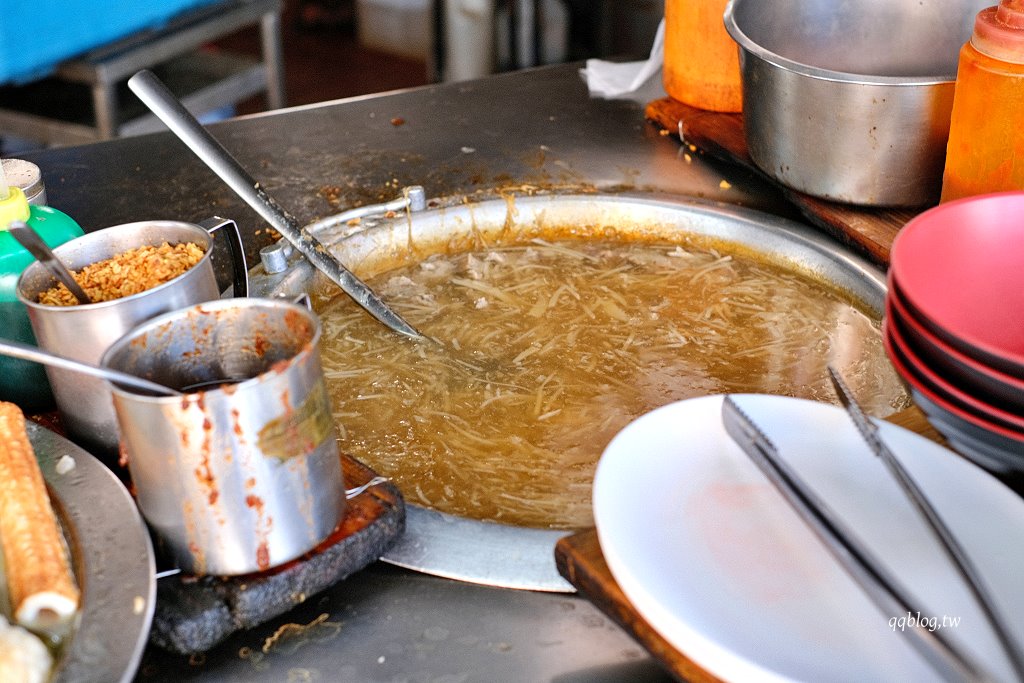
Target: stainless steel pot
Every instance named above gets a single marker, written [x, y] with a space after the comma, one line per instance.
[851, 101]
[242, 473]
[83, 332]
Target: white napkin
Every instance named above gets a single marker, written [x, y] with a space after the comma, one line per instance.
[615, 79]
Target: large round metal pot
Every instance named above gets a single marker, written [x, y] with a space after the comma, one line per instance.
[851, 101]
[521, 557]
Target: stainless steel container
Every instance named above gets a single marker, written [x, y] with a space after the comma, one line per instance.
[242, 473]
[84, 332]
[851, 101]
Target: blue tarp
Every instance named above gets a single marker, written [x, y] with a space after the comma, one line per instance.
[36, 36]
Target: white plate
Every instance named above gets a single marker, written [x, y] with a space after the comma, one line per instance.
[714, 559]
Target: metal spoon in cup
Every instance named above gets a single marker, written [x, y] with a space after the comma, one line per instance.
[37, 355]
[30, 239]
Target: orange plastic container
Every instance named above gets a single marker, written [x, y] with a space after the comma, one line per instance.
[702, 66]
[985, 152]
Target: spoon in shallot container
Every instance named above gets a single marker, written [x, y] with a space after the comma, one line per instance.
[30, 239]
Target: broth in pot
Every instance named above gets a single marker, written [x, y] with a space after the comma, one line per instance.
[540, 352]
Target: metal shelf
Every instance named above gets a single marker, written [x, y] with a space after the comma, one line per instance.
[86, 100]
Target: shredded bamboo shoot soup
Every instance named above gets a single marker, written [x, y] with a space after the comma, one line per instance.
[542, 352]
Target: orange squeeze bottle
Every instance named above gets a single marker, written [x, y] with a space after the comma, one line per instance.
[985, 152]
[702, 66]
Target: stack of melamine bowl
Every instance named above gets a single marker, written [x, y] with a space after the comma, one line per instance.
[954, 323]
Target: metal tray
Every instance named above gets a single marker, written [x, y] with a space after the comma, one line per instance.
[112, 558]
[518, 557]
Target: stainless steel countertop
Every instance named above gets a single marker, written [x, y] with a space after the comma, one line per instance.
[536, 127]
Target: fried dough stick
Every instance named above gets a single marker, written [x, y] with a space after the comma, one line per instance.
[43, 592]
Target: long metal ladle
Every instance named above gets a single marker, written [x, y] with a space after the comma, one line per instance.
[30, 239]
[155, 95]
[37, 355]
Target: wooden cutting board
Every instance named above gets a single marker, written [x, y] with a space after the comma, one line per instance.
[870, 231]
[580, 561]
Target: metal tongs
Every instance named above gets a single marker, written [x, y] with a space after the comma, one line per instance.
[945, 656]
[162, 102]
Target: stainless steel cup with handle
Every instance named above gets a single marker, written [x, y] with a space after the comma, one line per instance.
[242, 473]
[84, 332]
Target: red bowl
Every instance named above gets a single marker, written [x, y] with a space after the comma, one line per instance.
[960, 268]
[975, 377]
[955, 394]
[922, 379]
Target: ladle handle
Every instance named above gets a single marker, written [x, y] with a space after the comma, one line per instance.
[155, 95]
[37, 355]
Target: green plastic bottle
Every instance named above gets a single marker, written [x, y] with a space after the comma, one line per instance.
[23, 382]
